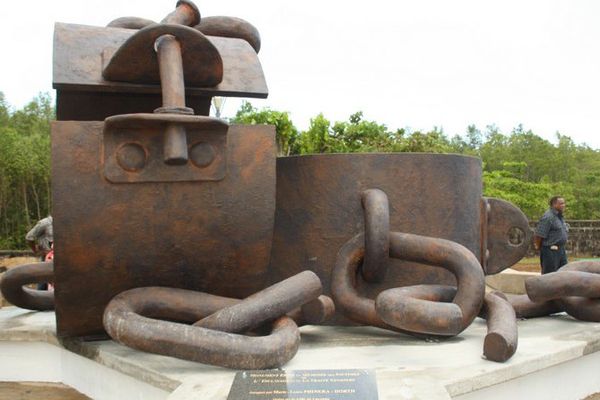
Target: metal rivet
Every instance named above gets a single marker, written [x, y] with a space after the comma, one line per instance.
[516, 236]
[131, 157]
[202, 154]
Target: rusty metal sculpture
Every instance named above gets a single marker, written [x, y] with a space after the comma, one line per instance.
[166, 218]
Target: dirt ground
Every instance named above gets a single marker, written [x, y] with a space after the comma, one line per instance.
[38, 390]
[595, 396]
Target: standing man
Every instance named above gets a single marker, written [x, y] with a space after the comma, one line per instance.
[551, 236]
[40, 237]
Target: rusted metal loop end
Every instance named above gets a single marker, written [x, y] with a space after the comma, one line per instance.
[578, 284]
[185, 13]
[174, 110]
[126, 321]
[377, 232]
[502, 337]
[425, 309]
[230, 27]
[130, 23]
[525, 308]
[435, 252]
[13, 290]
[266, 305]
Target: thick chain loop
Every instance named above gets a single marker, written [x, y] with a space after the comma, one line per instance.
[575, 289]
[134, 317]
[15, 292]
[377, 235]
[422, 309]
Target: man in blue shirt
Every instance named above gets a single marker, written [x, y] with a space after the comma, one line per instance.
[551, 236]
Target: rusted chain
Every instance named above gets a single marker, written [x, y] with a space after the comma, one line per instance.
[436, 252]
[266, 305]
[377, 235]
[575, 288]
[502, 337]
[134, 319]
[14, 291]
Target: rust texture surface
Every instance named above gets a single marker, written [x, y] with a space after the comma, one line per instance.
[208, 236]
[79, 51]
[319, 209]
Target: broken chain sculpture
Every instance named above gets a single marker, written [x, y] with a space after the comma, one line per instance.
[215, 336]
[439, 310]
[574, 289]
[191, 218]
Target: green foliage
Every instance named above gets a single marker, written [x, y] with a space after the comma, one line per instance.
[24, 168]
[286, 132]
[520, 167]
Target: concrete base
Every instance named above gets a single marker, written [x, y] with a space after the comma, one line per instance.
[557, 358]
[509, 281]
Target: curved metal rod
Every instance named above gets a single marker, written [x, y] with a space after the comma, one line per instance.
[562, 284]
[583, 308]
[525, 308]
[437, 252]
[451, 256]
[377, 235]
[127, 320]
[14, 291]
[343, 286]
[266, 305]
[421, 307]
[130, 23]
[502, 337]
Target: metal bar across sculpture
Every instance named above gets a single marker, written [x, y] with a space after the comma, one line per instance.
[178, 234]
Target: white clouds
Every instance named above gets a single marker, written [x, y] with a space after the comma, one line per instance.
[403, 63]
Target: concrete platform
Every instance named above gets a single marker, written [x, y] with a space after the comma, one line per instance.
[558, 358]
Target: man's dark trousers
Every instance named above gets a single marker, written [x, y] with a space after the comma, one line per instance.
[552, 260]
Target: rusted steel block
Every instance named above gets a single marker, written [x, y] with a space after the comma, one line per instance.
[211, 236]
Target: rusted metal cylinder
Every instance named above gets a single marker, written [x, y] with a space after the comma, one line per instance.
[168, 51]
[319, 210]
[426, 309]
[562, 284]
[14, 291]
[583, 308]
[525, 308]
[128, 320]
[314, 312]
[377, 232]
[502, 337]
[265, 305]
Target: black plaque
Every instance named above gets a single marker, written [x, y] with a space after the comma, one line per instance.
[313, 384]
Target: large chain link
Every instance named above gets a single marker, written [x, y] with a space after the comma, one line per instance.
[15, 291]
[575, 289]
[134, 317]
[439, 310]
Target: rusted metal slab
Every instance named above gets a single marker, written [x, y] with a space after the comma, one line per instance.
[83, 94]
[211, 236]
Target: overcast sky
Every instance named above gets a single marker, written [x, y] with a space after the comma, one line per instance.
[415, 64]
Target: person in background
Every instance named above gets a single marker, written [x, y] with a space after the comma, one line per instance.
[551, 236]
[40, 239]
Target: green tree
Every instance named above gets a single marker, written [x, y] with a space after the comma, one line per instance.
[286, 133]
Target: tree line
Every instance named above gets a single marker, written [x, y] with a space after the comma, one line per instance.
[518, 166]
